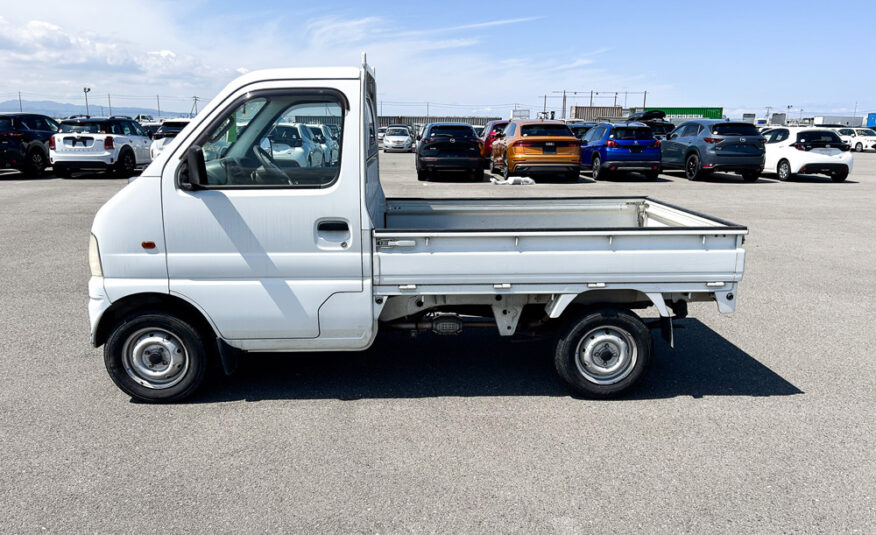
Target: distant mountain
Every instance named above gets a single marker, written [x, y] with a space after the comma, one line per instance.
[64, 109]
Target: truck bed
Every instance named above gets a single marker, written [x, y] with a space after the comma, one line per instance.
[532, 242]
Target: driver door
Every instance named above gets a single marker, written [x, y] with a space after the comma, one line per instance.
[262, 246]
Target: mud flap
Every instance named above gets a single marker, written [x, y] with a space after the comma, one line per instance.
[666, 330]
[228, 355]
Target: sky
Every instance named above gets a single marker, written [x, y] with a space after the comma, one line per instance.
[479, 58]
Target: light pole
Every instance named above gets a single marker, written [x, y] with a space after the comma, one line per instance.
[86, 91]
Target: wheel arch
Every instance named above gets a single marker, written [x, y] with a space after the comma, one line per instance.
[610, 298]
[154, 302]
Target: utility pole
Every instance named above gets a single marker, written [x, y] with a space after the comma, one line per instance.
[644, 100]
[768, 110]
[544, 108]
[19, 101]
[563, 115]
[855, 113]
[427, 111]
[194, 110]
[591, 98]
[158, 101]
[109, 103]
[86, 90]
[615, 99]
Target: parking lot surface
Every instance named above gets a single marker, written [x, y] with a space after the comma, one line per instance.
[761, 421]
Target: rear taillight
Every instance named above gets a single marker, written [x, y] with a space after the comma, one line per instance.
[657, 143]
[611, 143]
[108, 143]
[524, 144]
[52, 143]
[799, 146]
[713, 139]
[763, 141]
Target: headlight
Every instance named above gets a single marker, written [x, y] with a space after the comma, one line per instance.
[94, 257]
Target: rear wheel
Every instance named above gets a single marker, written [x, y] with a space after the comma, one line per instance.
[652, 175]
[126, 164]
[596, 168]
[750, 176]
[783, 171]
[36, 163]
[603, 353]
[839, 176]
[692, 167]
[859, 148]
[156, 357]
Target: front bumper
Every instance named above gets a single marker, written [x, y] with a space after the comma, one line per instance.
[397, 148]
[98, 303]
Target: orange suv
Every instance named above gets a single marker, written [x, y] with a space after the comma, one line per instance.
[536, 147]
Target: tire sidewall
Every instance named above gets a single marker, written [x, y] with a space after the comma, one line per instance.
[188, 335]
[687, 165]
[571, 334]
[596, 168]
[35, 170]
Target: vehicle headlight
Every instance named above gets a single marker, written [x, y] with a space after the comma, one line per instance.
[94, 257]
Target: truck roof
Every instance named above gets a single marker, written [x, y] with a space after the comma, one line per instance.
[317, 73]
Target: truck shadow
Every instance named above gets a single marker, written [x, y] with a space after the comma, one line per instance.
[481, 364]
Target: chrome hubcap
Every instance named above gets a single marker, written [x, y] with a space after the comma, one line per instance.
[155, 358]
[606, 355]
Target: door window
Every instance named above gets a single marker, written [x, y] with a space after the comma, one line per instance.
[262, 142]
[126, 128]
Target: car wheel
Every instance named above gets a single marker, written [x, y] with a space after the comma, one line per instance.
[479, 175]
[506, 171]
[126, 164]
[596, 168]
[783, 171]
[840, 176]
[652, 175]
[36, 163]
[859, 148]
[750, 176]
[572, 176]
[156, 357]
[603, 353]
[692, 167]
[422, 176]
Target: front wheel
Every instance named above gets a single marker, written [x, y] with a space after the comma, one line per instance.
[156, 357]
[783, 171]
[603, 353]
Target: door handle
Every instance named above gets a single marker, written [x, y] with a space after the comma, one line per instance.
[332, 226]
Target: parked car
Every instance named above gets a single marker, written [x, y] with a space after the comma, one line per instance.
[150, 128]
[336, 132]
[206, 261]
[330, 148]
[703, 146]
[24, 142]
[380, 133]
[117, 146]
[166, 132]
[536, 147]
[792, 150]
[293, 142]
[581, 128]
[479, 129]
[491, 131]
[144, 118]
[860, 139]
[449, 147]
[398, 139]
[620, 148]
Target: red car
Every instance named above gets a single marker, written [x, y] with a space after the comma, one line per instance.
[491, 130]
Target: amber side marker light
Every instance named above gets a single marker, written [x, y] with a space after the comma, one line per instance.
[148, 245]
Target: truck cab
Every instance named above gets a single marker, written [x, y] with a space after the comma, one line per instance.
[222, 247]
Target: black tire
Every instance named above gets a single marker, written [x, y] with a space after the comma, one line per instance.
[692, 169]
[422, 176]
[506, 169]
[36, 163]
[479, 175]
[750, 176]
[126, 164]
[172, 342]
[603, 353]
[572, 176]
[783, 171]
[652, 175]
[859, 148]
[839, 176]
[62, 172]
[596, 168]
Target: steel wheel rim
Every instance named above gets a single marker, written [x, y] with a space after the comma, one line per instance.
[37, 160]
[155, 358]
[606, 355]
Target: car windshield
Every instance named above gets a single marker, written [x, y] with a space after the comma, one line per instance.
[631, 132]
[284, 134]
[545, 130]
[452, 131]
[662, 128]
[83, 128]
[498, 128]
[818, 136]
[397, 132]
[171, 128]
[734, 129]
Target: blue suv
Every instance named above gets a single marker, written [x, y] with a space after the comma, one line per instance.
[610, 148]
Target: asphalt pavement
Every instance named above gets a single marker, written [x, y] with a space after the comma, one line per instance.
[757, 422]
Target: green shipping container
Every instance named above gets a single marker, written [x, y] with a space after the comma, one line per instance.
[686, 113]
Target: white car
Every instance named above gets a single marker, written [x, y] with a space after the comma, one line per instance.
[323, 136]
[116, 145]
[165, 134]
[380, 133]
[813, 151]
[859, 139]
[398, 139]
[294, 141]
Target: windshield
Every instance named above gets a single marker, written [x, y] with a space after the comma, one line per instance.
[498, 128]
[631, 132]
[818, 136]
[545, 130]
[456, 131]
[170, 129]
[284, 134]
[83, 128]
[579, 131]
[734, 129]
[397, 132]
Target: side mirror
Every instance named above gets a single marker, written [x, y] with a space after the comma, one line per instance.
[193, 173]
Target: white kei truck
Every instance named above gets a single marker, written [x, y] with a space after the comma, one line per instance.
[220, 248]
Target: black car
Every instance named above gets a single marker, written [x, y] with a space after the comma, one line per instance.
[656, 121]
[449, 147]
[24, 142]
